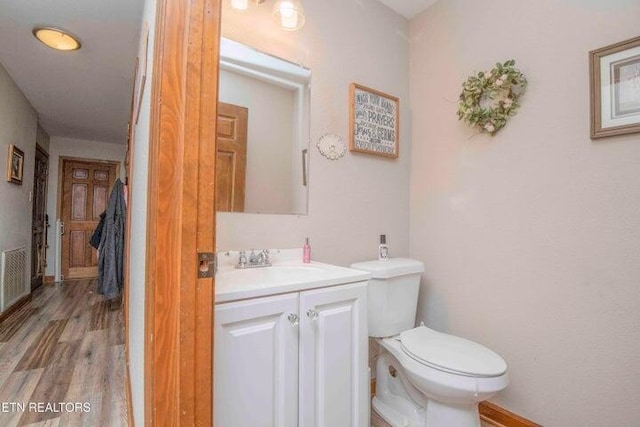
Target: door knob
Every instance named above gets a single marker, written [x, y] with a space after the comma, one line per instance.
[293, 319]
[312, 314]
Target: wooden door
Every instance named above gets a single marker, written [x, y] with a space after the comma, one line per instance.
[333, 357]
[256, 369]
[86, 187]
[231, 157]
[39, 221]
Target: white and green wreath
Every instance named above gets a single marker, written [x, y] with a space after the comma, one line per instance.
[490, 98]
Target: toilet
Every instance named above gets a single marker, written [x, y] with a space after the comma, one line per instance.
[424, 378]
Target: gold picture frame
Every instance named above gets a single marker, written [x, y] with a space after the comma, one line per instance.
[615, 89]
[15, 165]
[374, 122]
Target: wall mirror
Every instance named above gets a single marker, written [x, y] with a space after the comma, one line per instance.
[263, 132]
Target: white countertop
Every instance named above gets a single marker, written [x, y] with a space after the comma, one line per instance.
[287, 274]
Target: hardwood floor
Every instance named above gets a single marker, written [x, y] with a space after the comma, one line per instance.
[62, 360]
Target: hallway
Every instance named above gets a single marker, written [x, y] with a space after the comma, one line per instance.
[62, 360]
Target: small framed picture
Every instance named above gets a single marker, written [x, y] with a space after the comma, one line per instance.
[141, 71]
[615, 89]
[373, 122]
[15, 165]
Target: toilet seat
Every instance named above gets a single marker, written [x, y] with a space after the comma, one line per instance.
[451, 354]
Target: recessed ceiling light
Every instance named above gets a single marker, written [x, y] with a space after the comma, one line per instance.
[56, 38]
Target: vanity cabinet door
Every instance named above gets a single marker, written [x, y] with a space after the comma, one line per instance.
[333, 357]
[256, 362]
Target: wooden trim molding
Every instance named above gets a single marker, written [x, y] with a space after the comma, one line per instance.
[497, 416]
[181, 214]
[15, 307]
[130, 421]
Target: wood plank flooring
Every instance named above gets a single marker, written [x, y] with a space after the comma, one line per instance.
[62, 360]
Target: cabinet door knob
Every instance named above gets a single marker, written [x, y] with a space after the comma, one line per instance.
[293, 319]
[312, 314]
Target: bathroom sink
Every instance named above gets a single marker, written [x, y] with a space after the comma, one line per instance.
[301, 268]
[276, 273]
[286, 274]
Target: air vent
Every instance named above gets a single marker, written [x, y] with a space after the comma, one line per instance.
[13, 283]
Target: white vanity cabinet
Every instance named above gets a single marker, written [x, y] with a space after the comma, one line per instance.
[255, 362]
[297, 359]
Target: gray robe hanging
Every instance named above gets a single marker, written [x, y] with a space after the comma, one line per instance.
[111, 258]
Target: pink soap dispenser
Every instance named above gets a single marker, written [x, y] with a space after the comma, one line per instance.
[306, 252]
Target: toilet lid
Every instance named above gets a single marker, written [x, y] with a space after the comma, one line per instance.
[451, 354]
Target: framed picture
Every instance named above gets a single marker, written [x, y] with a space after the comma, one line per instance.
[15, 165]
[615, 89]
[131, 131]
[373, 122]
[141, 71]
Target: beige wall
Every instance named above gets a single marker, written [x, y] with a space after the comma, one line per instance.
[18, 126]
[138, 249]
[69, 147]
[531, 239]
[270, 136]
[354, 199]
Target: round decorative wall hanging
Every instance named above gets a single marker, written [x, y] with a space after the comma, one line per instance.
[331, 146]
[488, 99]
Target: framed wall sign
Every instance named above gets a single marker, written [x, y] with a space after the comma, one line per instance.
[373, 122]
[141, 71]
[15, 165]
[615, 89]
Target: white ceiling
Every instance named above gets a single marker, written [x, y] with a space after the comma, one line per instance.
[408, 8]
[83, 94]
[86, 94]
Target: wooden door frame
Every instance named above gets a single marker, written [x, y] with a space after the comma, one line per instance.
[181, 214]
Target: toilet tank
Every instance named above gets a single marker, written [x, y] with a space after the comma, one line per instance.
[392, 294]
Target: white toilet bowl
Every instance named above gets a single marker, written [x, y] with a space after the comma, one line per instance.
[431, 395]
[424, 378]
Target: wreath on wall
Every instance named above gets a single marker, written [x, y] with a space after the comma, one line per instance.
[488, 99]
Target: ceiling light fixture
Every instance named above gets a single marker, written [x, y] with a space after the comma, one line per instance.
[56, 38]
[240, 4]
[289, 13]
[243, 4]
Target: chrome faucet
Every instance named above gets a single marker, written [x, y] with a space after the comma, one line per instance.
[256, 260]
[242, 260]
